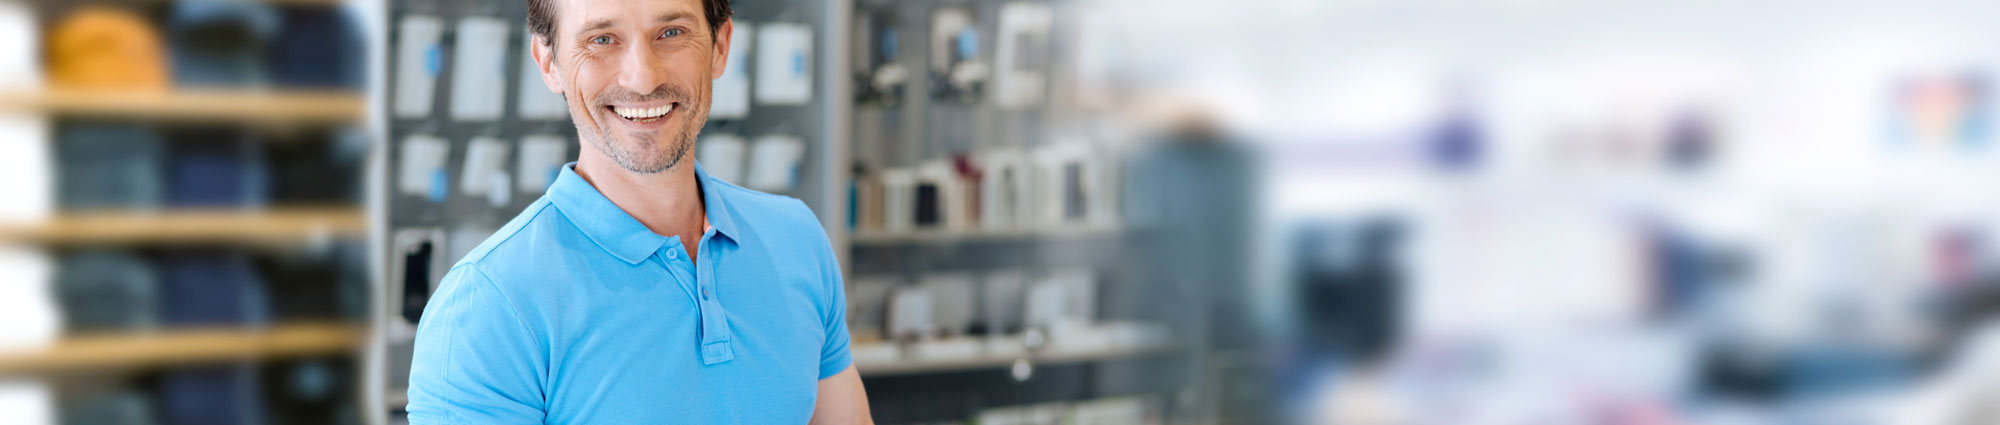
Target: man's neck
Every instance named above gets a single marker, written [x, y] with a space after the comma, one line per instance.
[668, 202]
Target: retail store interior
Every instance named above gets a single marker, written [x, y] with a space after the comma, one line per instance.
[1046, 212]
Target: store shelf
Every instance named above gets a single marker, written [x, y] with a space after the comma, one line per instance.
[939, 236]
[189, 226]
[917, 366]
[204, 105]
[182, 347]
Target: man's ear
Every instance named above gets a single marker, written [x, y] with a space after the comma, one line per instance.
[546, 62]
[723, 35]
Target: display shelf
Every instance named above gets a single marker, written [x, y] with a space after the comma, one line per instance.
[197, 105]
[282, 225]
[181, 347]
[907, 366]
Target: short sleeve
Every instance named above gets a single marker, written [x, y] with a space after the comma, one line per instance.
[833, 355]
[475, 360]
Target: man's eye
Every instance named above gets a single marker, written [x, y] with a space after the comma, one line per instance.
[671, 32]
[602, 39]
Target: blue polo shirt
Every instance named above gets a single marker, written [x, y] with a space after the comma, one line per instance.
[574, 312]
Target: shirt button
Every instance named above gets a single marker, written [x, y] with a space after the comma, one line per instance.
[673, 255]
[704, 294]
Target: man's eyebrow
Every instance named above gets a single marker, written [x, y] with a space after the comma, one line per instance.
[666, 17]
[598, 25]
[673, 16]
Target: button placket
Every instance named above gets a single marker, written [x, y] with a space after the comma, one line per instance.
[714, 320]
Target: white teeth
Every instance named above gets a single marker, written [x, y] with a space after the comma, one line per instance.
[642, 113]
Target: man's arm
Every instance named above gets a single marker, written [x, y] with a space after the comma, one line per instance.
[475, 361]
[842, 401]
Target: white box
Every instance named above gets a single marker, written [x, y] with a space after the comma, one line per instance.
[784, 64]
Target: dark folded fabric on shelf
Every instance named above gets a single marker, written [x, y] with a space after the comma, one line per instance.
[317, 168]
[220, 395]
[216, 168]
[123, 407]
[103, 165]
[203, 287]
[221, 43]
[107, 291]
[310, 392]
[320, 47]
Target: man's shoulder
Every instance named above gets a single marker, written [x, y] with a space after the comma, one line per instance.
[505, 243]
[760, 210]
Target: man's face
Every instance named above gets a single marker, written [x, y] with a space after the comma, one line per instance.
[637, 75]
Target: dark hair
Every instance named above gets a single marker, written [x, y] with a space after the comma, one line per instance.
[542, 17]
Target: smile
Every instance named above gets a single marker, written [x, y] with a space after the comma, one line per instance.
[642, 114]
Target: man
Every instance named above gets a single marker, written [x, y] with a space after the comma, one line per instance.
[639, 289]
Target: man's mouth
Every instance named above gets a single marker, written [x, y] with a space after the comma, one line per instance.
[642, 114]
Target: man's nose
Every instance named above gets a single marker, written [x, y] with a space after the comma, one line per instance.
[641, 71]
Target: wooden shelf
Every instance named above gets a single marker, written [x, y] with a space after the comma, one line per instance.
[182, 347]
[285, 225]
[919, 366]
[199, 105]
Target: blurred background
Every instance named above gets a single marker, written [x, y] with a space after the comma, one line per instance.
[1062, 211]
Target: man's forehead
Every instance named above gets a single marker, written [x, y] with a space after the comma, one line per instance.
[575, 13]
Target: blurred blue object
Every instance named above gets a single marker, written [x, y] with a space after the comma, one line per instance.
[108, 165]
[223, 395]
[123, 407]
[212, 288]
[107, 291]
[320, 47]
[216, 168]
[221, 42]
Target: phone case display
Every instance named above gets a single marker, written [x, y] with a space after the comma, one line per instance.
[868, 307]
[784, 64]
[958, 72]
[484, 172]
[1022, 58]
[899, 200]
[878, 77]
[1004, 203]
[1003, 302]
[479, 69]
[421, 171]
[535, 101]
[774, 163]
[940, 197]
[910, 313]
[723, 156]
[732, 91]
[539, 162]
[1070, 186]
[419, 60]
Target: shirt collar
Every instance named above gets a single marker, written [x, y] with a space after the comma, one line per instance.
[615, 230]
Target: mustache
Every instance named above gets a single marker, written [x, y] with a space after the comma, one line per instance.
[663, 92]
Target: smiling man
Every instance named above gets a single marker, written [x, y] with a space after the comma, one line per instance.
[639, 289]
